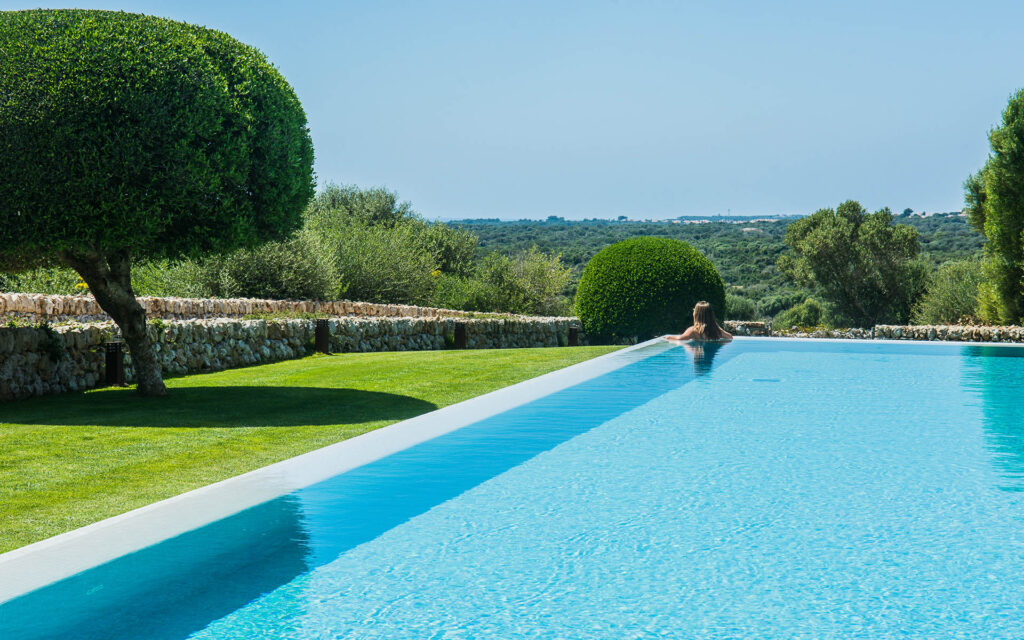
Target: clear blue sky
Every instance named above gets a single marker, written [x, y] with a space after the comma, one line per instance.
[646, 109]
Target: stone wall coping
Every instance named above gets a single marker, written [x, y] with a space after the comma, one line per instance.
[45, 306]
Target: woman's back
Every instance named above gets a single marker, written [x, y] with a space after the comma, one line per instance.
[705, 326]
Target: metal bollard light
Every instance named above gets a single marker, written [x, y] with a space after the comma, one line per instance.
[115, 363]
[460, 335]
[574, 337]
[322, 337]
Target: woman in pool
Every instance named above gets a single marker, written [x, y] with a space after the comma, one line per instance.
[705, 327]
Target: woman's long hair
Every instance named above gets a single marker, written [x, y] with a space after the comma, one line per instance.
[705, 324]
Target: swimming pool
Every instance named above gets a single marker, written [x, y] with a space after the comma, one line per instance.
[767, 488]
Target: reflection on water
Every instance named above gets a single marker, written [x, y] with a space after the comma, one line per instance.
[996, 375]
[703, 354]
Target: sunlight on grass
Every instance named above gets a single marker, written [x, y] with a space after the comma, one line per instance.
[69, 460]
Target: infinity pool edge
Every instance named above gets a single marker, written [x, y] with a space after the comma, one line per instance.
[50, 560]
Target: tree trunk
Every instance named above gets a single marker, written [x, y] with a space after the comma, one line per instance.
[109, 280]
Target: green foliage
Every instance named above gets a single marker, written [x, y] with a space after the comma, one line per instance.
[164, 278]
[467, 294]
[531, 282]
[643, 287]
[988, 301]
[369, 247]
[128, 133]
[809, 313]
[946, 236]
[150, 278]
[745, 251]
[381, 263]
[995, 206]
[868, 269]
[738, 307]
[952, 293]
[371, 207]
[772, 304]
[454, 248]
[378, 247]
[290, 270]
[53, 280]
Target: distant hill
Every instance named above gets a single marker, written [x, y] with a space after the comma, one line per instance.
[744, 248]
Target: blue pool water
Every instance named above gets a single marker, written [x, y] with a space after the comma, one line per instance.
[769, 489]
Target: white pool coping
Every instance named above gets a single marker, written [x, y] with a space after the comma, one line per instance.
[962, 343]
[42, 563]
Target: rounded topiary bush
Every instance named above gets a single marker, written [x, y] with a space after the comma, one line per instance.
[125, 137]
[644, 287]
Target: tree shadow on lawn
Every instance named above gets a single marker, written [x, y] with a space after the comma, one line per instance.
[230, 406]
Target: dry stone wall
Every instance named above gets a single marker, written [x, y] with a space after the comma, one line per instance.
[950, 332]
[819, 332]
[744, 328]
[957, 333]
[37, 361]
[83, 308]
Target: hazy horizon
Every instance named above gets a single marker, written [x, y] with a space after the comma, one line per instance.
[644, 218]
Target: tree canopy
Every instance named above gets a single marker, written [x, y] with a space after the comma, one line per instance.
[995, 206]
[124, 136]
[124, 132]
[867, 268]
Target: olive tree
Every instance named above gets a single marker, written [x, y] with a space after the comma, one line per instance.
[867, 268]
[127, 137]
[995, 206]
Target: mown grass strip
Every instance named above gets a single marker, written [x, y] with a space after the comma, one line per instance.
[69, 460]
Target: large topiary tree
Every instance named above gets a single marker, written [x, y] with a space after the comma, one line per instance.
[125, 136]
[644, 287]
[995, 206]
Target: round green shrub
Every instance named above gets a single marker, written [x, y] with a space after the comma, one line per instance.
[644, 287]
[134, 135]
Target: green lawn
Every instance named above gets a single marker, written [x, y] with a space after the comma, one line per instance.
[69, 460]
